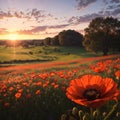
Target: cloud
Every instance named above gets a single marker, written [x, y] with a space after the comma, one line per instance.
[28, 14]
[116, 12]
[5, 14]
[84, 3]
[111, 1]
[83, 19]
[36, 30]
[3, 31]
[115, 1]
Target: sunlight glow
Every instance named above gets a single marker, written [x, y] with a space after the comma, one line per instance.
[13, 37]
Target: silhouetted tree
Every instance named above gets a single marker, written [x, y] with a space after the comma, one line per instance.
[47, 41]
[70, 38]
[102, 34]
[55, 40]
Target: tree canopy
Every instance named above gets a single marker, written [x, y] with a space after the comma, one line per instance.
[65, 38]
[102, 34]
[70, 38]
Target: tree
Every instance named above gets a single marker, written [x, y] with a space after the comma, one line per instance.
[55, 40]
[47, 41]
[70, 38]
[102, 34]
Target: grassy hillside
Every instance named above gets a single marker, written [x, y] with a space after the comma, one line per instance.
[41, 53]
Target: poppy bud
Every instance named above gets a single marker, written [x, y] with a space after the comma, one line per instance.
[74, 111]
[118, 114]
[80, 114]
[104, 114]
[85, 117]
[63, 117]
[95, 114]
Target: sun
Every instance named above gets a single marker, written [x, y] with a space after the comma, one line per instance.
[13, 37]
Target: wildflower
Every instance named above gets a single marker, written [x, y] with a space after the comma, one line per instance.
[92, 91]
[11, 89]
[37, 92]
[18, 95]
[46, 84]
[25, 84]
[43, 76]
[117, 74]
[39, 83]
[20, 90]
[63, 88]
[56, 86]
[28, 95]
[7, 104]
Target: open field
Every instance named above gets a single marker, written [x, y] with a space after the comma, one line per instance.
[14, 55]
[38, 90]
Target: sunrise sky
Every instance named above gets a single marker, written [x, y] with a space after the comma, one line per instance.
[38, 19]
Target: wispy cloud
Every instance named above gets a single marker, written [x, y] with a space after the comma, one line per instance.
[28, 14]
[3, 31]
[111, 1]
[84, 3]
[110, 10]
[36, 30]
[83, 19]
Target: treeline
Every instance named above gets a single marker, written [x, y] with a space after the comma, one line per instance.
[102, 35]
[23, 43]
[65, 38]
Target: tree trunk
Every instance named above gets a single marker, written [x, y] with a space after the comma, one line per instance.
[105, 51]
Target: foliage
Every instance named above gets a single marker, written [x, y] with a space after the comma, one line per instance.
[65, 38]
[55, 40]
[47, 41]
[70, 38]
[102, 34]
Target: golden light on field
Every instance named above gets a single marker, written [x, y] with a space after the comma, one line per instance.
[13, 37]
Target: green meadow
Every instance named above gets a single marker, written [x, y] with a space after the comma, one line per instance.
[42, 53]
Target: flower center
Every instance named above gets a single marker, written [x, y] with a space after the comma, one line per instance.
[91, 94]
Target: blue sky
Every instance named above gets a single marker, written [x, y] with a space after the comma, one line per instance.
[38, 19]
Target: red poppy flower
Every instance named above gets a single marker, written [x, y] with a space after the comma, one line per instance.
[18, 95]
[117, 74]
[7, 104]
[37, 92]
[92, 91]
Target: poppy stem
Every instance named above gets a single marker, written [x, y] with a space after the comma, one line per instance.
[91, 113]
[113, 110]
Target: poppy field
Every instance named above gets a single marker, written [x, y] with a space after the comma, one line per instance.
[66, 94]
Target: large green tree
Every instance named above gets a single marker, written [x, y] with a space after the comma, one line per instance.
[47, 41]
[70, 38]
[102, 34]
[55, 40]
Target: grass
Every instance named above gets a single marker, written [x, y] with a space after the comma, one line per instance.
[42, 53]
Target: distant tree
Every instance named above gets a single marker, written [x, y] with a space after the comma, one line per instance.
[102, 34]
[55, 40]
[47, 41]
[70, 38]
